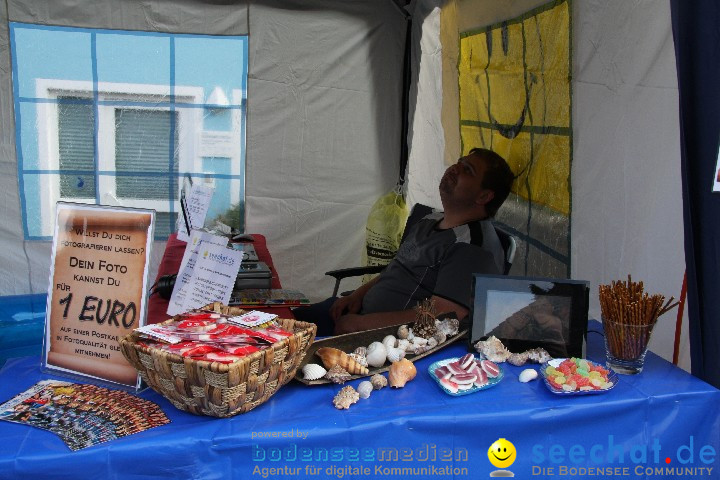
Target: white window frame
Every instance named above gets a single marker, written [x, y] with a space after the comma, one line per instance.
[189, 128]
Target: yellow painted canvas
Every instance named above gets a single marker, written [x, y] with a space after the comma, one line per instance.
[515, 98]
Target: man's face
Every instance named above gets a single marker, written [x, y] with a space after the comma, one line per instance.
[461, 185]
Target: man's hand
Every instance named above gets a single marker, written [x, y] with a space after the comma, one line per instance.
[349, 304]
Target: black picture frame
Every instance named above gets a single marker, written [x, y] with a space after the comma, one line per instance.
[531, 312]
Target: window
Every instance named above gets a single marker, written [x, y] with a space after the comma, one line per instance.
[120, 118]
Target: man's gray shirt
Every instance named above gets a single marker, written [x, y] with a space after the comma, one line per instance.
[438, 262]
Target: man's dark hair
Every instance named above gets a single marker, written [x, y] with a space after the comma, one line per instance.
[498, 178]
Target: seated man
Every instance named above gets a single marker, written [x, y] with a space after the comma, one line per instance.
[437, 257]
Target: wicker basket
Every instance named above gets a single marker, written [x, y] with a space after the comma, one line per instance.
[217, 389]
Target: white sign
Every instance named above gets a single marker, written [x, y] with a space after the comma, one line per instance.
[98, 289]
[194, 208]
[212, 279]
[187, 268]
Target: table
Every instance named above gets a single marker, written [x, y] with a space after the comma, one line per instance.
[170, 264]
[662, 412]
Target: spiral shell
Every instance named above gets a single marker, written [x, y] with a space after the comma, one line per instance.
[313, 371]
[403, 332]
[449, 326]
[389, 341]
[440, 337]
[362, 351]
[378, 381]
[420, 341]
[365, 389]
[337, 374]
[539, 355]
[376, 354]
[404, 344]
[359, 358]
[332, 356]
[395, 354]
[345, 397]
[401, 372]
[518, 359]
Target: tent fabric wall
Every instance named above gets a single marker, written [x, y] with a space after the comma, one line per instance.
[696, 28]
[323, 136]
[626, 191]
[324, 130]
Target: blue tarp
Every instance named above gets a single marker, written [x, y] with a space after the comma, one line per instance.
[414, 432]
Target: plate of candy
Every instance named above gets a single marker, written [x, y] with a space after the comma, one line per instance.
[464, 375]
[577, 376]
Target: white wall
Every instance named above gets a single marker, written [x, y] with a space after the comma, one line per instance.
[627, 204]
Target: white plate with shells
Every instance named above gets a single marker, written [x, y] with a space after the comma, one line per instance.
[355, 355]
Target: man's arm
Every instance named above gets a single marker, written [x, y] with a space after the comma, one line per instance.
[351, 303]
[354, 323]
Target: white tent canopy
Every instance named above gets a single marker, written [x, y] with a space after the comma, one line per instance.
[324, 127]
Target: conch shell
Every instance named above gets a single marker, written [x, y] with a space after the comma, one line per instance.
[493, 349]
[346, 397]
[378, 381]
[332, 356]
[401, 372]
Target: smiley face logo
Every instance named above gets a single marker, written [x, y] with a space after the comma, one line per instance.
[501, 453]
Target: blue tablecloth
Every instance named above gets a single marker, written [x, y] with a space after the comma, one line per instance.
[415, 432]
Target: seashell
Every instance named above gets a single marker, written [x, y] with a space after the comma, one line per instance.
[404, 344]
[313, 371]
[411, 335]
[418, 349]
[420, 341]
[346, 397]
[359, 358]
[440, 337]
[432, 342]
[449, 326]
[518, 359]
[333, 356]
[395, 354]
[362, 351]
[337, 374]
[376, 354]
[389, 341]
[493, 349]
[403, 332]
[365, 389]
[539, 355]
[401, 372]
[527, 375]
[378, 381]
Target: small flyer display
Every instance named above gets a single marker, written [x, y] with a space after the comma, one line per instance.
[98, 280]
[82, 415]
[207, 274]
[195, 206]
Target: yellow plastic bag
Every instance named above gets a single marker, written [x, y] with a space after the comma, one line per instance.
[384, 230]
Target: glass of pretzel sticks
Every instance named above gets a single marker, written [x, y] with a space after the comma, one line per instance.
[629, 315]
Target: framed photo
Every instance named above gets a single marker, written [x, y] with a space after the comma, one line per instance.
[527, 313]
